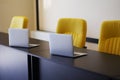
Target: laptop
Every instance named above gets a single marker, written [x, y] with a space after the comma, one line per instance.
[20, 38]
[62, 45]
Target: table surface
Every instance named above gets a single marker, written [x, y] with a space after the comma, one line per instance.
[96, 62]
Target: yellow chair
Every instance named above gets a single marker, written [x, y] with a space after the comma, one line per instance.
[109, 41]
[74, 26]
[19, 22]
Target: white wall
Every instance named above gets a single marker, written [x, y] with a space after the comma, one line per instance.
[93, 11]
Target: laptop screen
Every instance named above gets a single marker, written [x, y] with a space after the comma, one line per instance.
[61, 44]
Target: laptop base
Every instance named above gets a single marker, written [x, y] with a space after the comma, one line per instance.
[33, 45]
[76, 55]
[79, 54]
[29, 46]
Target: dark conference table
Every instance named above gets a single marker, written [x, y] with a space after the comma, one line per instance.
[37, 64]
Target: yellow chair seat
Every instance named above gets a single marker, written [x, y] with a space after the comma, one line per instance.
[111, 46]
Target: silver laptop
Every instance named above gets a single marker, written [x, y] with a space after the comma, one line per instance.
[19, 38]
[62, 44]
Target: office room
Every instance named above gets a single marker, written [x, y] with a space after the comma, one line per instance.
[43, 18]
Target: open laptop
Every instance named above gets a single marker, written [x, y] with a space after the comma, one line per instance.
[20, 38]
[62, 44]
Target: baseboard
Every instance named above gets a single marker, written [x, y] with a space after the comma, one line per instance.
[43, 35]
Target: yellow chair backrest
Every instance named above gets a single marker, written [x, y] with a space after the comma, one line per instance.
[19, 22]
[109, 41]
[74, 26]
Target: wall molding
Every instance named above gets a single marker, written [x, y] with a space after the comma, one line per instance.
[44, 35]
[92, 40]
